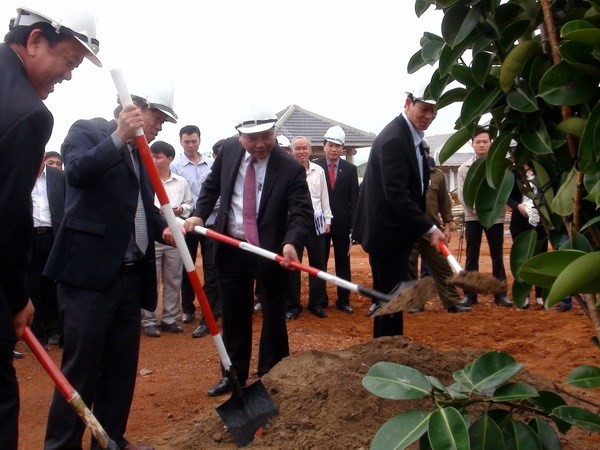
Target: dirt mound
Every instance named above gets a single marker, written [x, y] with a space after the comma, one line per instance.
[322, 403]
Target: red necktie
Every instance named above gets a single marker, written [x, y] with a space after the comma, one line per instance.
[249, 204]
[332, 174]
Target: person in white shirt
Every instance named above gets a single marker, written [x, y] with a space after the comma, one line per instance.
[169, 265]
[315, 243]
[194, 167]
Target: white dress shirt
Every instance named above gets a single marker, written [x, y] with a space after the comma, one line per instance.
[317, 185]
[41, 206]
[195, 174]
[179, 194]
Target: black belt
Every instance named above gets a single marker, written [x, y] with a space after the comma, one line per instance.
[129, 266]
[42, 230]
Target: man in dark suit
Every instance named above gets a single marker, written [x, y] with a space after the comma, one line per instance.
[48, 198]
[391, 207]
[36, 55]
[342, 187]
[103, 260]
[265, 201]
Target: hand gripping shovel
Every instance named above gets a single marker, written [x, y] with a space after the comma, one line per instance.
[363, 290]
[249, 408]
[71, 395]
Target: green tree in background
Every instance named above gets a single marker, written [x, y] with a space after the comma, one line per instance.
[533, 68]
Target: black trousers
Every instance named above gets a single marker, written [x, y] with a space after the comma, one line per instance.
[341, 249]
[9, 389]
[101, 348]
[209, 270]
[317, 295]
[42, 290]
[387, 274]
[187, 291]
[237, 271]
[495, 237]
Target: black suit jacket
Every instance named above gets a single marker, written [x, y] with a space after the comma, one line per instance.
[25, 128]
[391, 206]
[55, 187]
[343, 198]
[102, 194]
[285, 213]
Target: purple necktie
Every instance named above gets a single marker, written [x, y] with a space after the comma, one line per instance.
[249, 207]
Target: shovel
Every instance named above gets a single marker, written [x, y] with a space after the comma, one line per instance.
[363, 290]
[71, 395]
[249, 408]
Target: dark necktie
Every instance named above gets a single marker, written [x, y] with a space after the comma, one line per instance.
[141, 227]
[332, 174]
[249, 204]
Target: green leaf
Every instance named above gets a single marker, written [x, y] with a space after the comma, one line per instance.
[578, 242]
[547, 401]
[582, 276]
[458, 22]
[576, 52]
[520, 292]
[581, 31]
[514, 31]
[491, 201]
[546, 434]
[463, 74]
[564, 85]
[437, 384]
[431, 50]
[572, 125]
[517, 435]
[579, 417]
[514, 62]
[492, 369]
[463, 378]
[543, 269]
[448, 430]
[564, 201]
[401, 431]
[522, 98]
[451, 96]
[538, 140]
[477, 102]
[522, 249]
[454, 143]
[586, 377]
[421, 6]
[590, 223]
[450, 54]
[544, 182]
[496, 162]
[481, 65]
[473, 181]
[415, 62]
[514, 391]
[589, 154]
[485, 434]
[438, 84]
[396, 382]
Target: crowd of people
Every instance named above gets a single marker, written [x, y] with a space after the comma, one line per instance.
[87, 247]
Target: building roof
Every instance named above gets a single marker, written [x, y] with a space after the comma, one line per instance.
[436, 143]
[296, 121]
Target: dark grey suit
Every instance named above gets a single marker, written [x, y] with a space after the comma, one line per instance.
[25, 127]
[285, 214]
[391, 212]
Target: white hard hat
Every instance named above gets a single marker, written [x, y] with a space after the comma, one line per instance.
[282, 141]
[256, 119]
[66, 17]
[420, 94]
[157, 96]
[336, 135]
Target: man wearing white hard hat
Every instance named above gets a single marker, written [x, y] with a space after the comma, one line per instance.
[38, 52]
[265, 201]
[391, 207]
[342, 187]
[103, 260]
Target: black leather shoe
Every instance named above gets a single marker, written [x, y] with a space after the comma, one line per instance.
[458, 308]
[416, 309]
[503, 300]
[222, 387]
[318, 311]
[345, 307]
[152, 331]
[201, 331]
[54, 339]
[188, 317]
[291, 315]
[171, 327]
[468, 301]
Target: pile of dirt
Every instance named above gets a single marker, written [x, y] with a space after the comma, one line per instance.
[322, 403]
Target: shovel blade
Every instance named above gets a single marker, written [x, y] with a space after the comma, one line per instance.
[244, 415]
